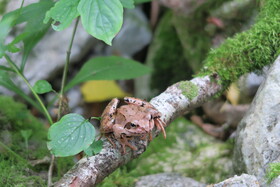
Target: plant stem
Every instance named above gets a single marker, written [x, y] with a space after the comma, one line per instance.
[14, 67]
[98, 118]
[65, 70]
[63, 82]
[21, 5]
[13, 153]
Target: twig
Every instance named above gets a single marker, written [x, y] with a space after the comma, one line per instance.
[171, 103]
[50, 171]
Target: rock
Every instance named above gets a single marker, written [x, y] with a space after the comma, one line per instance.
[258, 134]
[275, 182]
[190, 152]
[167, 180]
[48, 57]
[134, 35]
[244, 180]
[249, 84]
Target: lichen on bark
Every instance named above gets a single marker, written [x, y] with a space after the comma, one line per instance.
[189, 89]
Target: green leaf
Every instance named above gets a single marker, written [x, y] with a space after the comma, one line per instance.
[6, 68]
[12, 48]
[35, 26]
[108, 68]
[33, 14]
[62, 14]
[101, 18]
[30, 42]
[34, 29]
[94, 148]
[127, 3]
[26, 134]
[6, 82]
[5, 27]
[42, 86]
[70, 135]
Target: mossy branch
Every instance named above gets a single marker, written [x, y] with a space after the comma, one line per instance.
[250, 50]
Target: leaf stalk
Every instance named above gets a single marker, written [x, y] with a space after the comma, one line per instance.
[15, 68]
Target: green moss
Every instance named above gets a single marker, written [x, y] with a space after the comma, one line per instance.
[189, 89]
[248, 51]
[166, 56]
[16, 173]
[15, 117]
[273, 171]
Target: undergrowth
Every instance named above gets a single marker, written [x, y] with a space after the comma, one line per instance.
[14, 170]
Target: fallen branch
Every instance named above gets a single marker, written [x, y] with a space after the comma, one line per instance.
[171, 103]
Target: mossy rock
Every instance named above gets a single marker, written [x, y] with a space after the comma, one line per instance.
[166, 56]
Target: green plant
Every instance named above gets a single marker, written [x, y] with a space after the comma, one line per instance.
[273, 171]
[100, 21]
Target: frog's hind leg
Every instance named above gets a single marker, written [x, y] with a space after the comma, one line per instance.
[160, 125]
[108, 116]
[112, 107]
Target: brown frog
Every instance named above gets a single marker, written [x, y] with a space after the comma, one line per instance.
[137, 118]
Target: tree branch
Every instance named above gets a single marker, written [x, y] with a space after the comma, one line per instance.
[171, 103]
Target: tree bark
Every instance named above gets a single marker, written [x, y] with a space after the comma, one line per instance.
[172, 103]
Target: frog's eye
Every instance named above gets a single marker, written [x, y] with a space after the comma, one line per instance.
[130, 125]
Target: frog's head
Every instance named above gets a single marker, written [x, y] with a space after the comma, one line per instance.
[137, 127]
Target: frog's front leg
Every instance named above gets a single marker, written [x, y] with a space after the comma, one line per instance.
[121, 135]
[124, 142]
[108, 117]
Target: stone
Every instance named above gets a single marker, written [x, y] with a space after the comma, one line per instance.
[275, 182]
[167, 180]
[134, 35]
[192, 154]
[244, 180]
[258, 134]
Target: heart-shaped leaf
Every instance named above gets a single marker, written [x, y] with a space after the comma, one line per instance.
[101, 18]
[70, 135]
[128, 3]
[42, 86]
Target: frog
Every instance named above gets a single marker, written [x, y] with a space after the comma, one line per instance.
[135, 119]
